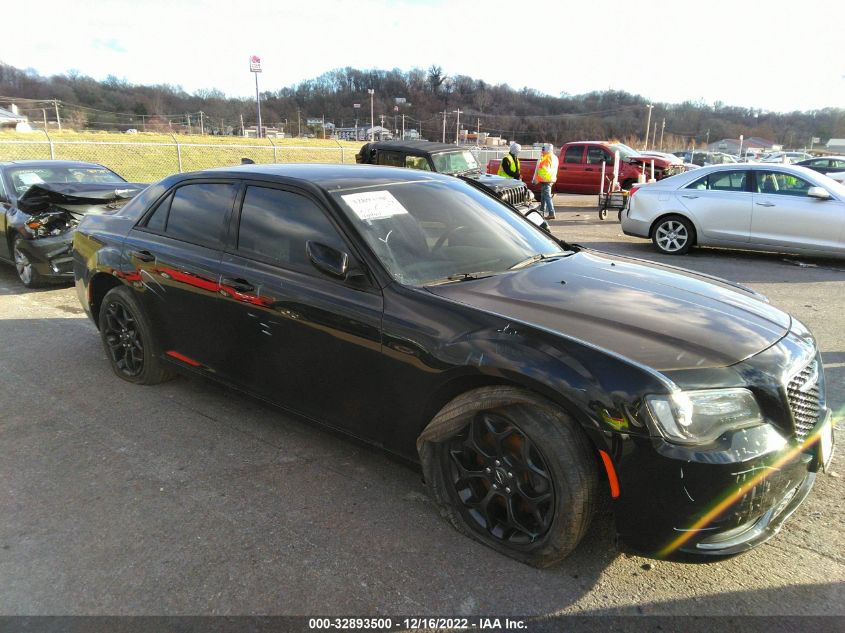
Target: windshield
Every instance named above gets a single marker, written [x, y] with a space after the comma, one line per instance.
[22, 178]
[436, 232]
[455, 162]
[624, 150]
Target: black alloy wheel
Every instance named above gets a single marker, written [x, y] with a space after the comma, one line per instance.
[516, 473]
[123, 341]
[502, 480]
[128, 339]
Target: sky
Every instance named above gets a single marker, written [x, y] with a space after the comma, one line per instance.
[773, 55]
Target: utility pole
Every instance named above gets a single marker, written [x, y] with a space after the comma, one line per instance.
[403, 126]
[298, 124]
[58, 118]
[381, 120]
[662, 127]
[478, 131]
[458, 127]
[255, 68]
[44, 112]
[243, 131]
[188, 120]
[143, 123]
[202, 123]
[356, 107]
[371, 92]
[647, 125]
[324, 127]
[654, 135]
[444, 126]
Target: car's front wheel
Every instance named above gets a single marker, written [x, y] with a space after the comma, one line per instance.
[517, 476]
[673, 235]
[26, 271]
[129, 339]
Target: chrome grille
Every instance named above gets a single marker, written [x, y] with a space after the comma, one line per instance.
[804, 395]
[515, 195]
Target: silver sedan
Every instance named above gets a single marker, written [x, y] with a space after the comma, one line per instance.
[780, 208]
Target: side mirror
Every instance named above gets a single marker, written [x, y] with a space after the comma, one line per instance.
[328, 260]
[819, 193]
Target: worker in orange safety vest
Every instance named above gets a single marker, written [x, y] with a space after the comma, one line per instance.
[545, 173]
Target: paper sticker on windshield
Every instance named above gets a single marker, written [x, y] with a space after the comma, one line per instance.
[30, 178]
[374, 205]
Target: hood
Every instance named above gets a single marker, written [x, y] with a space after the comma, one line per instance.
[39, 197]
[659, 163]
[666, 319]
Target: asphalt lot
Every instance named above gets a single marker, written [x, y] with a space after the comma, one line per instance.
[187, 498]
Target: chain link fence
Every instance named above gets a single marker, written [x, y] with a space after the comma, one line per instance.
[152, 161]
[149, 161]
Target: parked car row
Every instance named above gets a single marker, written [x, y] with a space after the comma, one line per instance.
[580, 166]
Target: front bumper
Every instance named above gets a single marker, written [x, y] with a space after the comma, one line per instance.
[51, 257]
[675, 500]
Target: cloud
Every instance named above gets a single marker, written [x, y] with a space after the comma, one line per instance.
[112, 45]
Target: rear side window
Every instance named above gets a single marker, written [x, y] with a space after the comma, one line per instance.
[276, 224]
[392, 159]
[573, 154]
[195, 213]
[721, 181]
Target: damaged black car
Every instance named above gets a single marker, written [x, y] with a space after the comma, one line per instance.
[530, 378]
[42, 202]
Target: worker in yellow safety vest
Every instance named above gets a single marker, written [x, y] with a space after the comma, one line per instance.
[545, 173]
[509, 167]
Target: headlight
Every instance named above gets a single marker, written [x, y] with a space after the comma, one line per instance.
[699, 417]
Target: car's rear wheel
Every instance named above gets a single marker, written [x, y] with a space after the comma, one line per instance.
[27, 274]
[129, 339]
[517, 477]
[673, 235]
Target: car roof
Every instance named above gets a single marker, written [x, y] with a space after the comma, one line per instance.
[48, 163]
[329, 177]
[416, 146]
[823, 157]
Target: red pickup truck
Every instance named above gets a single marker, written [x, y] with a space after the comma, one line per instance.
[579, 168]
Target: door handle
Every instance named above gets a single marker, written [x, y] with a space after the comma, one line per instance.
[144, 256]
[690, 197]
[765, 204]
[241, 285]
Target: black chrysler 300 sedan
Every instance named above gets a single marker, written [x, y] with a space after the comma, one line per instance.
[527, 376]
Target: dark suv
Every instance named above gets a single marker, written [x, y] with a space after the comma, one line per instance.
[528, 377]
[454, 161]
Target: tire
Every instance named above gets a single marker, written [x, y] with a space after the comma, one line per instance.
[129, 340]
[673, 235]
[518, 477]
[27, 274]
